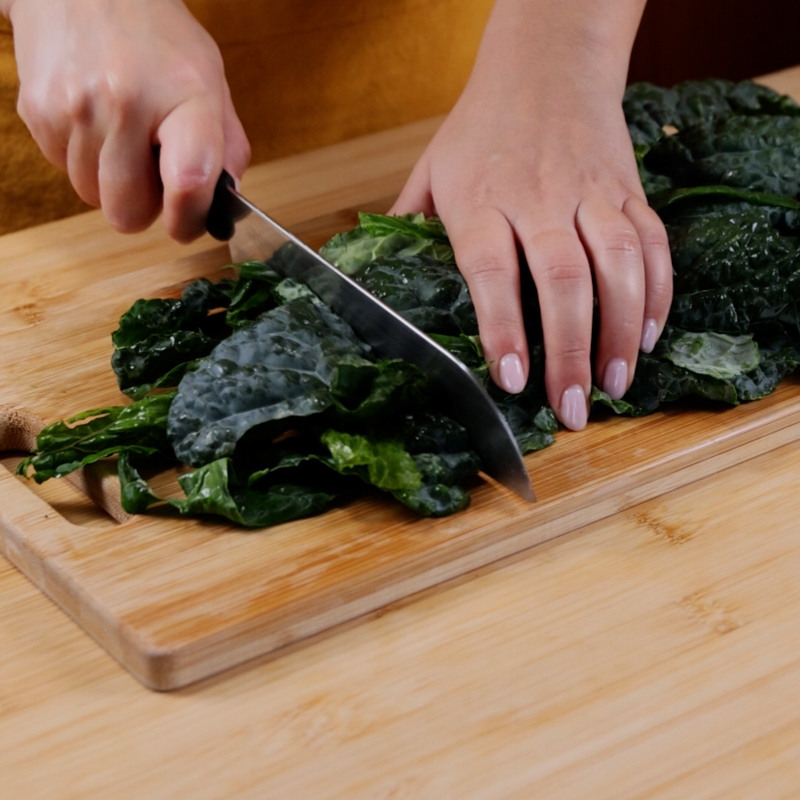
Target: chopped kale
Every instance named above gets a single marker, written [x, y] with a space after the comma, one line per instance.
[159, 338]
[272, 372]
[378, 236]
[282, 411]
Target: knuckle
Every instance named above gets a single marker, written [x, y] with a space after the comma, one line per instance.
[117, 94]
[485, 268]
[80, 102]
[188, 78]
[659, 290]
[124, 102]
[558, 259]
[651, 231]
[36, 106]
[196, 76]
[130, 219]
[622, 241]
[573, 349]
[563, 271]
[110, 94]
[190, 180]
[571, 355]
[654, 238]
[28, 107]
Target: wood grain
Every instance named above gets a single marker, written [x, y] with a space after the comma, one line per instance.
[176, 600]
[649, 655]
[652, 654]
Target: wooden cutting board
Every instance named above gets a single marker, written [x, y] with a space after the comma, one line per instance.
[177, 600]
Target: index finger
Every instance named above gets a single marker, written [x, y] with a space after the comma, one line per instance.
[486, 254]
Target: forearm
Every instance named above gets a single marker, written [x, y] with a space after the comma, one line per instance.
[539, 40]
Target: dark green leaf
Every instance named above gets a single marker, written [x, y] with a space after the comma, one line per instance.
[65, 446]
[384, 463]
[378, 236]
[159, 338]
[431, 295]
[714, 354]
[135, 495]
[272, 372]
[756, 153]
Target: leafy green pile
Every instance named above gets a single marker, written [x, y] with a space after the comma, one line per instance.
[720, 162]
[279, 407]
[281, 411]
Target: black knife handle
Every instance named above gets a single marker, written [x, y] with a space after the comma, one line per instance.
[220, 222]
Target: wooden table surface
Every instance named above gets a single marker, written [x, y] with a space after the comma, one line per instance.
[653, 654]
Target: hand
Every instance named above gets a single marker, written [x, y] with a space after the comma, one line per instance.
[540, 158]
[106, 84]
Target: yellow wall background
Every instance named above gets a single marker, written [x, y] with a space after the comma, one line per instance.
[302, 74]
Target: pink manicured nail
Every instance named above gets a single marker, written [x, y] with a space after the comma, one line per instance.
[649, 335]
[512, 379]
[574, 411]
[615, 381]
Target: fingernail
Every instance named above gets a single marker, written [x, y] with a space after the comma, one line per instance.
[649, 335]
[573, 408]
[512, 378]
[615, 381]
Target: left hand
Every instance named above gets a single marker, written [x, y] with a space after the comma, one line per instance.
[553, 173]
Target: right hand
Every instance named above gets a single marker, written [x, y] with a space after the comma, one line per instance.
[105, 84]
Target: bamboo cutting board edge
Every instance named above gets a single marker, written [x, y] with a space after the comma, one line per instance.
[38, 540]
[35, 535]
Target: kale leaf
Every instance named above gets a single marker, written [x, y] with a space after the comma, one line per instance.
[429, 293]
[216, 490]
[654, 112]
[714, 354]
[758, 153]
[158, 340]
[378, 236]
[272, 372]
[85, 438]
[649, 109]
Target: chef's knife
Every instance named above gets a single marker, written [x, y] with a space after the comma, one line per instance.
[252, 235]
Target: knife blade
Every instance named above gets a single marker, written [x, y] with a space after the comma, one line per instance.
[253, 235]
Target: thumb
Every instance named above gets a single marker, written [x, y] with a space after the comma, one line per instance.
[416, 195]
[237, 147]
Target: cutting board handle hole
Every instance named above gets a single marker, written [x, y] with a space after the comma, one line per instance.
[18, 429]
[87, 497]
